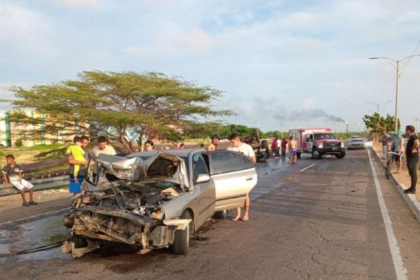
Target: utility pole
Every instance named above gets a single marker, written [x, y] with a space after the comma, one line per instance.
[396, 96]
[397, 88]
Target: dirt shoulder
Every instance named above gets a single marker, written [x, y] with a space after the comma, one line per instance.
[403, 177]
[48, 200]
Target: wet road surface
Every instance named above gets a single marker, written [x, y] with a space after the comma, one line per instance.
[318, 219]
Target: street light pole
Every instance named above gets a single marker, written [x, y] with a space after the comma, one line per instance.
[397, 85]
[396, 65]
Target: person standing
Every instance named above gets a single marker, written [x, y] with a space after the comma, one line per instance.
[283, 146]
[385, 141]
[76, 178]
[77, 152]
[103, 147]
[293, 150]
[12, 175]
[412, 153]
[397, 147]
[274, 147]
[237, 146]
[215, 141]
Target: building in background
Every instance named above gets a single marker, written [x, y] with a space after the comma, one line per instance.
[14, 134]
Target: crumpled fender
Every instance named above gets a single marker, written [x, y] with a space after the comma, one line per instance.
[180, 224]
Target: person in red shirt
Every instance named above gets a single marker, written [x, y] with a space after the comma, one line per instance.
[283, 146]
[274, 147]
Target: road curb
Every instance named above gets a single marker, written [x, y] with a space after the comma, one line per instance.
[410, 199]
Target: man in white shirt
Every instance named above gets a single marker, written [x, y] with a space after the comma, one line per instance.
[237, 146]
[103, 147]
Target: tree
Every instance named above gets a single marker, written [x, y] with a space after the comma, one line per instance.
[126, 107]
[376, 123]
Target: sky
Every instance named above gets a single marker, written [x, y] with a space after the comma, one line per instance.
[280, 64]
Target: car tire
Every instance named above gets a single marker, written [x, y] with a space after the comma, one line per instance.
[221, 215]
[182, 237]
[316, 154]
[298, 155]
[340, 156]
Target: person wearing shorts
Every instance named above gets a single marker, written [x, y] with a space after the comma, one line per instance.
[236, 145]
[12, 175]
[293, 150]
[397, 147]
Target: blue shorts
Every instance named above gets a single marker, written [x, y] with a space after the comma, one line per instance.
[75, 187]
[293, 152]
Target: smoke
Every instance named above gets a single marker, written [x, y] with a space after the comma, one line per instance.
[306, 115]
[284, 113]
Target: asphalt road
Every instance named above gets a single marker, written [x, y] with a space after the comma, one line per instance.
[318, 219]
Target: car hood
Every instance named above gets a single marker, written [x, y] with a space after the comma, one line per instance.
[160, 167]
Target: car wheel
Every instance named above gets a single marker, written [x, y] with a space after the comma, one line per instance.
[340, 156]
[220, 214]
[182, 237]
[316, 154]
[298, 155]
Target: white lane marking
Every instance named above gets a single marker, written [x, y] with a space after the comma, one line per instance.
[34, 217]
[307, 167]
[400, 270]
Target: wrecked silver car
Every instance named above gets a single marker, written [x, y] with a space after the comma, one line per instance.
[151, 200]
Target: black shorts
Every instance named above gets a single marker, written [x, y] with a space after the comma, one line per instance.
[397, 158]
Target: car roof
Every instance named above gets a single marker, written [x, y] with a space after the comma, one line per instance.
[178, 153]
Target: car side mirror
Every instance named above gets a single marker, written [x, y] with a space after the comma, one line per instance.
[202, 178]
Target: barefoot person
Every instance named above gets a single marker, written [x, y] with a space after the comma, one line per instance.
[237, 146]
[12, 175]
[77, 152]
[293, 150]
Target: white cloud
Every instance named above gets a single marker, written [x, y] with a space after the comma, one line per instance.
[78, 3]
[315, 53]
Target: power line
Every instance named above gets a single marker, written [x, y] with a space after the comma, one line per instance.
[416, 48]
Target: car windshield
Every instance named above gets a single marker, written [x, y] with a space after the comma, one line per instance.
[94, 169]
[323, 136]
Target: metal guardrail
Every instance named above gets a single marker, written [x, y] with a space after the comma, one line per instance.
[39, 184]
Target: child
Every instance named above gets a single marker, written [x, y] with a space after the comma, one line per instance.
[78, 154]
[12, 174]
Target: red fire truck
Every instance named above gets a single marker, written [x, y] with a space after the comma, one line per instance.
[318, 142]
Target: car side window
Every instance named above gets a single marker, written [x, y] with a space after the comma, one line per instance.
[247, 163]
[199, 166]
[225, 162]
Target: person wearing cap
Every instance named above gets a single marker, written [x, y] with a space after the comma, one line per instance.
[215, 140]
[397, 147]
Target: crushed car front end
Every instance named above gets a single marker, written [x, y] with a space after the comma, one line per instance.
[128, 205]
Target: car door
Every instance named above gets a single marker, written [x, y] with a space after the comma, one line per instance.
[234, 176]
[205, 190]
[310, 143]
